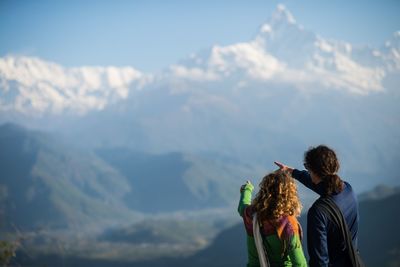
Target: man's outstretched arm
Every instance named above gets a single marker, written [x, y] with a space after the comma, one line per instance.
[301, 176]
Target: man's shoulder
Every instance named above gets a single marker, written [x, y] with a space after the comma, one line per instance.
[346, 197]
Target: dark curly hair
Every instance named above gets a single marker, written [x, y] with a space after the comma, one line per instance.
[323, 161]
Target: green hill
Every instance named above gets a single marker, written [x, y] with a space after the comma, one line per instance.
[379, 217]
[45, 183]
[177, 181]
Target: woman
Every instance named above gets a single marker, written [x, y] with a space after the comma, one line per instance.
[325, 246]
[277, 205]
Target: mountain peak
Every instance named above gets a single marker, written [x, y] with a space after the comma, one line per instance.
[282, 15]
[281, 20]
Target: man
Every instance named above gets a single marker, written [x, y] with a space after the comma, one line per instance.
[325, 246]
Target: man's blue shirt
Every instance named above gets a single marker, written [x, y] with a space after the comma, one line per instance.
[321, 232]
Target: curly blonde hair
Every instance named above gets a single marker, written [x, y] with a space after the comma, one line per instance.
[277, 197]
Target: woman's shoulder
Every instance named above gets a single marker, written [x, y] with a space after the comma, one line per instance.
[284, 227]
[294, 225]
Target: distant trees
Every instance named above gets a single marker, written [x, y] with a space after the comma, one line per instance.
[8, 251]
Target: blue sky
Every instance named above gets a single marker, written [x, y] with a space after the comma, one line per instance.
[149, 35]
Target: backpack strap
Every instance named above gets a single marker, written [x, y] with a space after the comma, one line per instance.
[261, 251]
[329, 207]
[300, 231]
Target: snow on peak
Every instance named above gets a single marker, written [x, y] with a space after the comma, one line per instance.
[281, 33]
[31, 84]
[266, 28]
[282, 53]
[280, 21]
[282, 15]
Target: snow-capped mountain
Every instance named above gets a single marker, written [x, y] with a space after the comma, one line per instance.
[265, 99]
[34, 87]
[283, 52]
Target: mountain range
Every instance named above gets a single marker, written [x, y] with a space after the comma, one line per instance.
[46, 184]
[131, 158]
[282, 52]
[258, 101]
[49, 183]
[266, 99]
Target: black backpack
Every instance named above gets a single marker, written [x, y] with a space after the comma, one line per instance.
[329, 207]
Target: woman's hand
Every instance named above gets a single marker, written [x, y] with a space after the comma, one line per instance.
[247, 185]
[284, 167]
